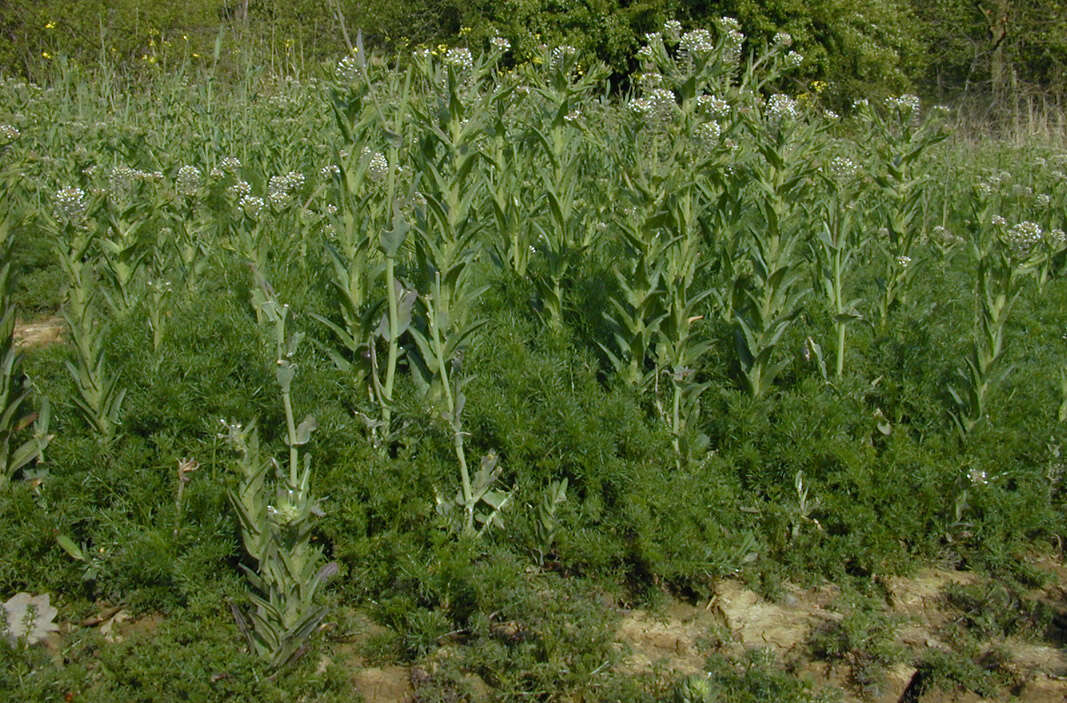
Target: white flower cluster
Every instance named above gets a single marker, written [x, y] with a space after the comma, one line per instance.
[1057, 238]
[657, 109]
[697, 42]
[280, 188]
[672, 29]
[560, 53]
[997, 221]
[188, 180]
[708, 134]
[907, 103]
[729, 24]
[500, 43]
[70, 205]
[1023, 237]
[784, 39]
[781, 106]
[714, 104]
[239, 190]
[347, 70]
[843, 168]
[903, 261]
[734, 39]
[121, 180]
[330, 171]
[460, 57]
[649, 80]
[1043, 200]
[230, 164]
[9, 132]
[794, 59]
[377, 164]
[573, 115]
[252, 206]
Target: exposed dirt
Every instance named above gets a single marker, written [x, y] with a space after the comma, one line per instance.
[678, 637]
[39, 332]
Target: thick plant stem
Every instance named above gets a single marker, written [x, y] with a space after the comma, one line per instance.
[394, 345]
[290, 427]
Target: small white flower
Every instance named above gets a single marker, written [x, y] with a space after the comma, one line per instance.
[843, 167]
[903, 261]
[9, 132]
[561, 53]
[252, 206]
[697, 42]
[782, 39]
[188, 180]
[714, 104]
[780, 107]
[794, 58]
[347, 70]
[460, 57]
[500, 43]
[70, 205]
[377, 166]
[1022, 238]
[239, 189]
[708, 134]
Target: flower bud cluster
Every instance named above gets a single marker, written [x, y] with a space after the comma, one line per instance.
[780, 107]
[1023, 237]
[560, 53]
[460, 57]
[70, 205]
[697, 42]
[708, 134]
[188, 180]
[717, 106]
[657, 109]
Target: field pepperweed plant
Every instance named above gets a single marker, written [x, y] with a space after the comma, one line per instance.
[562, 346]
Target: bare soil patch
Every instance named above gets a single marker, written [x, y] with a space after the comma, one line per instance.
[39, 332]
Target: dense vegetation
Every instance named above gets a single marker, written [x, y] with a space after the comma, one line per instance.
[465, 344]
[988, 51]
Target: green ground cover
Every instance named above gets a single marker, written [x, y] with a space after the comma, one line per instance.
[452, 345]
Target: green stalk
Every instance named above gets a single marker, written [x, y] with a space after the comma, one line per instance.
[457, 433]
[839, 309]
[290, 426]
[394, 345]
